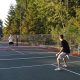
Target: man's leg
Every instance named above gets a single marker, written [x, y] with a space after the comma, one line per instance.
[65, 62]
[58, 62]
[62, 55]
[65, 59]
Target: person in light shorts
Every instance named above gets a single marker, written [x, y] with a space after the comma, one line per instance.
[63, 53]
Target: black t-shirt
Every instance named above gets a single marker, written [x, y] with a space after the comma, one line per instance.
[65, 46]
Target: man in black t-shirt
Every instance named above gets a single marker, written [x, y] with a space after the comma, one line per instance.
[63, 53]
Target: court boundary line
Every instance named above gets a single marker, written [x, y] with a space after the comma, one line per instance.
[35, 52]
[68, 70]
[35, 65]
[29, 58]
[40, 52]
[32, 52]
[42, 65]
[19, 67]
[73, 72]
[11, 54]
[75, 56]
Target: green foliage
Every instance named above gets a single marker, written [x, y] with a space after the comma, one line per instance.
[10, 20]
[44, 17]
[72, 31]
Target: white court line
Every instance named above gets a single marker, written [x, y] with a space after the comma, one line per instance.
[40, 52]
[28, 53]
[29, 58]
[17, 51]
[73, 61]
[40, 66]
[69, 70]
[26, 66]
[31, 51]
[75, 56]
[34, 66]
[25, 54]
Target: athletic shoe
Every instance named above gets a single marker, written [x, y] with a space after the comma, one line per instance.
[64, 65]
[57, 69]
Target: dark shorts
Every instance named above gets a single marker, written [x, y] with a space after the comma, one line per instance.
[11, 43]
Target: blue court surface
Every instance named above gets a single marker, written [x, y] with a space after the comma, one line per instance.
[35, 63]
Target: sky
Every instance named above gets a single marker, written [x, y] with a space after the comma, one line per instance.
[4, 8]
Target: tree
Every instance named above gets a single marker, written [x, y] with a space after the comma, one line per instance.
[44, 17]
[10, 23]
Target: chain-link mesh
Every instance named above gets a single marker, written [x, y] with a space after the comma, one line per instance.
[38, 39]
[42, 39]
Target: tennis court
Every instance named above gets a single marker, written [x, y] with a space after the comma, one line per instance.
[34, 63]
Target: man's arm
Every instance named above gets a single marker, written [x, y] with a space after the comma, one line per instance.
[59, 51]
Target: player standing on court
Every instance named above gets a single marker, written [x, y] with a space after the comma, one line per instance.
[10, 39]
[63, 53]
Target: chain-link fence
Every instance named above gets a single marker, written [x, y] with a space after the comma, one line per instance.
[42, 39]
[37, 39]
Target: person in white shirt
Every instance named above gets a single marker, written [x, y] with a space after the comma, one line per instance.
[10, 39]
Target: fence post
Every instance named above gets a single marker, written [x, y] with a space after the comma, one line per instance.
[17, 37]
[79, 49]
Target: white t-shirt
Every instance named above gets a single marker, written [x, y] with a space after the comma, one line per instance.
[10, 38]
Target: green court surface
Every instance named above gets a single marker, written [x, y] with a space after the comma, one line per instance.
[35, 63]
